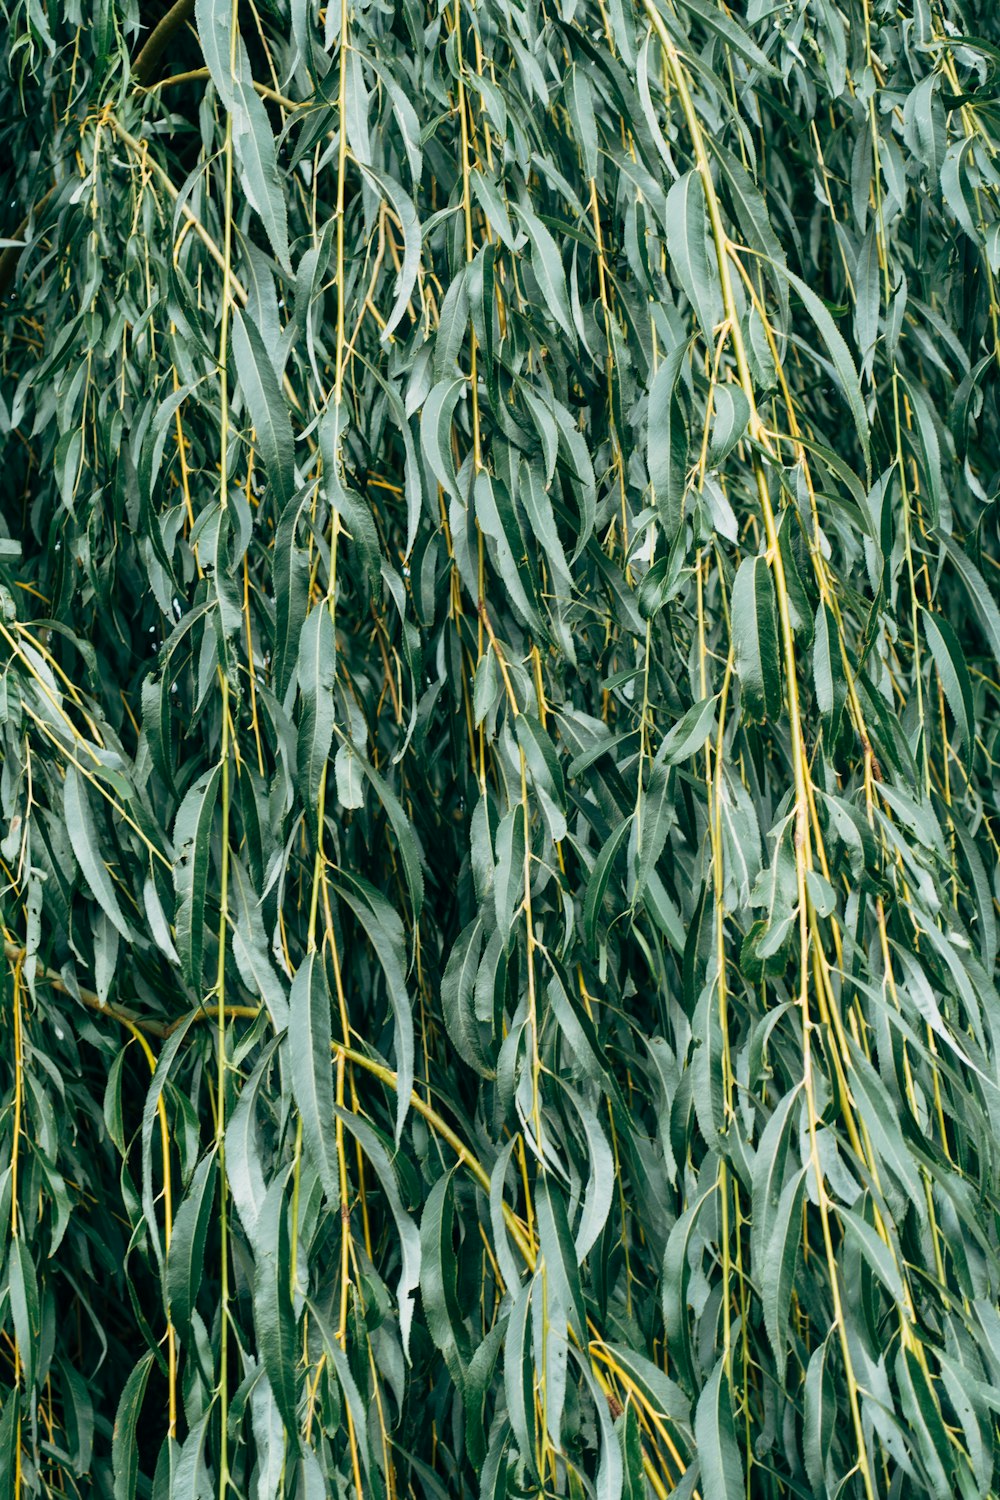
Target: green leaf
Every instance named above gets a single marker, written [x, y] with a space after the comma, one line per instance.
[687, 245]
[778, 1270]
[22, 1283]
[310, 1067]
[978, 595]
[190, 1476]
[820, 1415]
[406, 216]
[316, 673]
[667, 441]
[124, 1453]
[348, 505]
[519, 1376]
[274, 1320]
[715, 1435]
[732, 413]
[597, 884]
[599, 1190]
[458, 997]
[266, 405]
[290, 582]
[755, 640]
[634, 1480]
[689, 734]
[384, 932]
[192, 837]
[840, 357]
[730, 32]
[546, 262]
[559, 1255]
[186, 1252]
[954, 674]
[876, 1253]
[406, 838]
[407, 1232]
[255, 150]
[82, 832]
[439, 1278]
[435, 432]
[828, 673]
[656, 816]
[924, 1418]
[214, 19]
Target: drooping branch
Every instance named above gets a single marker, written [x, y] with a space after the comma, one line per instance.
[159, 40]
[142, 71]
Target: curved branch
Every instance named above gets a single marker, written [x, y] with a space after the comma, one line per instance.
[198, 75]
[159, 39]
[14, 953]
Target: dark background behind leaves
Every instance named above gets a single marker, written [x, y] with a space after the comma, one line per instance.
[499, 724]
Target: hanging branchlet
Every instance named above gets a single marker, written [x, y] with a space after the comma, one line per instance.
[499, 645]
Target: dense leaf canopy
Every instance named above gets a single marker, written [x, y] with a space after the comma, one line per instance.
[499, 702]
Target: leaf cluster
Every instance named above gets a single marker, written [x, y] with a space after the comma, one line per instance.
[499, 676]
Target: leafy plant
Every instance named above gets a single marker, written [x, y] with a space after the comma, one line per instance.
[499, 703]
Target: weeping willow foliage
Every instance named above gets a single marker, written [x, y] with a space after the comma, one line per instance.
[499, 714]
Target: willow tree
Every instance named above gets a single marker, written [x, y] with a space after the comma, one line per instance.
[500, 676]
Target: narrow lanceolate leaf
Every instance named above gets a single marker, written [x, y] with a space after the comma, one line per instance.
[244, 1170]
[547, 265]
[23, 1291]
[755, 639]
[667, 441]
[458, 996]
[406, 838]
[124, 1453]
[254, 145]
[384, 933]
[518, 1378]
[250, 949]
[190, 1474]
[732, 413]
[689, 733]
[828, 673]
[290, 584]
[597, 885]
[214, 20]
[840, 358]
[954, 674]
[656, 817]
[730, 31]
[978, 595]
[406, 216]
[408, 1236]
[274, 1320]
[783, 1237]
[439, 1277]
[310, 1065]
[687, 243]
[82, 832]
[192, 840]
[266, 405]
[186, 1253]
[316, 673]
[819, 1415]
[715, 1435]
[600, 1181]
[435, 431]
